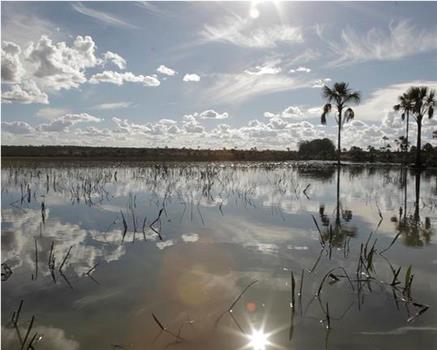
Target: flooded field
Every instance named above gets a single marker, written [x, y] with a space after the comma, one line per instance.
[218, 256]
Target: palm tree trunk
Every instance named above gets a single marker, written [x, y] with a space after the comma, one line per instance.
[339, 138]
[416, 204]
[337, 216]
[419, 141]
[406, 138]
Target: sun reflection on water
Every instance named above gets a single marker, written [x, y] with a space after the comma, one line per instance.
[258, 340]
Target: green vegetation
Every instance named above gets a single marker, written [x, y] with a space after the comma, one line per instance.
[319, 149]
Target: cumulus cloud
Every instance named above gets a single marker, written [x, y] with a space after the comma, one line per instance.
[12, 68]
[245, 33]
[211, 114]
[116, 59]
[62, 124]
[120, 78]
[26, 92]
[46, 66]
[17, 127]
[59, 66]
[289, 112]
[165, 70]
[191, 125]
[191, 77]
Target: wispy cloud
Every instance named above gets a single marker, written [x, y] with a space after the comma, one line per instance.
[243, 32]
[231, 88]
[101, 16]
[381, 101]
[402, 39]
[113, 105]
[270, 67]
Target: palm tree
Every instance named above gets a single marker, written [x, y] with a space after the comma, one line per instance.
[424, 101]
[405, 106]
[341, 95]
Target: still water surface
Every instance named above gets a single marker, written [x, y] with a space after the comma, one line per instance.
[92, 257]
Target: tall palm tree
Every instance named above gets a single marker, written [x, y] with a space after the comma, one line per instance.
[342, 96]
[424, 101]
[405, 106]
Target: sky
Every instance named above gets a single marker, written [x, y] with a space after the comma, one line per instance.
[210, 74]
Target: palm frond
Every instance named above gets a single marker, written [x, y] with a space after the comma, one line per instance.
[430, 112]
[349, 115]
[328, 93]
[354, 97]
[326, 109]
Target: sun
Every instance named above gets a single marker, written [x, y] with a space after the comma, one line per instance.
[254, 12]
[258, 340]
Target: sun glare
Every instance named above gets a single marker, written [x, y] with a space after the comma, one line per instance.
[258, 340]
[254, 12]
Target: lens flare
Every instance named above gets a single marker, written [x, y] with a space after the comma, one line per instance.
[258, 340]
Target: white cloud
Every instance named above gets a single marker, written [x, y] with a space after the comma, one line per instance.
[270, 67]
[245, 33]
[17, 127]
[191, 77]
[211, 114]
[58, 66]
[287, 113]
[23, 26]
[231, 88]
[112, 105]
[381, 101]
[12, 68]
[27, 92]
[51, 113]
[191, 125]
[165, 70]
[300, 69]
[401, 40]
[62, 124]
[46, 66]
[114, 58]
[119, 78]
[319, 83]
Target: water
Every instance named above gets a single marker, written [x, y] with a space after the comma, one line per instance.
[223, 226]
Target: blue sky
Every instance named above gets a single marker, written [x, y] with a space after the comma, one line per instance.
[208, 74]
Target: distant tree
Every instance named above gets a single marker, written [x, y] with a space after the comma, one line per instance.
[357, 154]
[341, 95]
[428, 147]
[317, 149]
